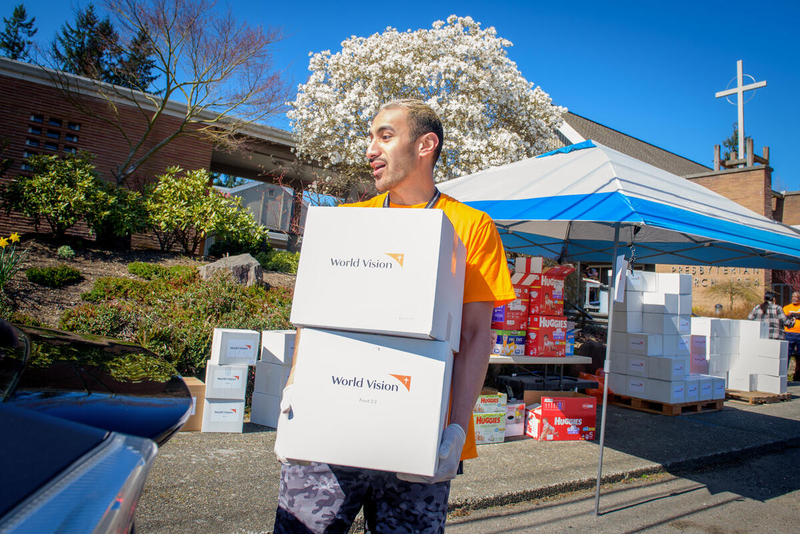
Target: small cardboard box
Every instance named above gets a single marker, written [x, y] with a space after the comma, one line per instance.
[489, 427]
[226, 381]
[565, 416]
[382, 401]
[277, 346]
[508, 342]
[637, 365]
[515, 418]
[645, 281]
[547, 336]
[198, 391]
[666, 368]
[403, 270]
[675, 283]
[550, 298]
[230, 346]
[490, 401]
[222, 415]
[647, 344]
[667, 392]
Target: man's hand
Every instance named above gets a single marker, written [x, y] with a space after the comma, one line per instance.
[453, 439]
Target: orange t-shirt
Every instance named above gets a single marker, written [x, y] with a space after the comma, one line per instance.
[486, 277]
[787, 310]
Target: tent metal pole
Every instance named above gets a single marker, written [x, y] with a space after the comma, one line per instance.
[607, 367]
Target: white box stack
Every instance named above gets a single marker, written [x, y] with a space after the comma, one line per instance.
[652, 343]
[272, 372]
[232, 352]
[740, 354]
[382, 353]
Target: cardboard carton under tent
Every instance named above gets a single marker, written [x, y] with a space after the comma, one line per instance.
[579, 202]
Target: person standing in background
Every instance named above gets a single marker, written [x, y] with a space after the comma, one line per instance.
[792, 310]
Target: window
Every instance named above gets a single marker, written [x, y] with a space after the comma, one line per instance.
[70, 149]
[74, 126]
[53, 134]
[37, 118]
[25, 165]
[50, 146]
[31, 142]
[35, 130]
[72, 138]
[54, 122]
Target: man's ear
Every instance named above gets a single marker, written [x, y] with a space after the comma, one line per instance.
[428, 144]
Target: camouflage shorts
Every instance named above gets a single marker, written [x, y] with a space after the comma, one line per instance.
[320, 498]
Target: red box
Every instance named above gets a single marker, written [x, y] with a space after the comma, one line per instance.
[511, 316]
[547, 336]
[569, 416]
[549, 299]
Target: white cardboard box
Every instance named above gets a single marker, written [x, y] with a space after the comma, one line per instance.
[647, 344]
[226, 381]
[692, 388]
[705, 388]
[271, 377]
[633, 301]
[379, 271]
[637, 365]
[637, 387]
[277, 346]
[627, 321]
[675, 283]
[666, 368]
[771, 384]
[515, 418]
[618, 383]
[742, 380]
[660, 303]
[668, 392]
[230, 346]
[619, 363]
[379, 401]
[718, 388]
[645, 281]
[220, 415]
[675, 345]
[265, 409]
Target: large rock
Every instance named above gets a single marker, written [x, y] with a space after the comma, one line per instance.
[243, 268]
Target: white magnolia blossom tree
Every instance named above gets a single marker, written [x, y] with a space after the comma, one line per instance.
[492, 115]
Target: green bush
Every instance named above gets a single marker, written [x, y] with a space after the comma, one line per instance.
[65, 252]
[234, 247]
[176, 318]
[58, 276]
[279, 260]
[185, 208]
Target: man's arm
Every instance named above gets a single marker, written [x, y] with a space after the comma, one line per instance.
[472, 360]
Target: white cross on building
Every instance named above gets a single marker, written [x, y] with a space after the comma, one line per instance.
[739, 91]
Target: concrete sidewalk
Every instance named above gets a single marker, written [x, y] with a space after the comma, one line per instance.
[228, 483]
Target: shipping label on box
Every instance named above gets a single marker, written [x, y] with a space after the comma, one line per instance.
[515, 418]
[636, 387]
[398, 387]
[547, 336]
[508, 342]
[402, 271]
[490, 401]
[489, 427]
[234, 347]
[511, 316]
[566, 417]
[226, 381]
[647, 344]
[637, 365]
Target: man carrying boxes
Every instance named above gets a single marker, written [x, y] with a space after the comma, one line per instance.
[405, 142]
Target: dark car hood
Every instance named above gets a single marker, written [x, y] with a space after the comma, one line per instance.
[104, 383]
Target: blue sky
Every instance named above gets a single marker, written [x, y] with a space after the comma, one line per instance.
[649, 69]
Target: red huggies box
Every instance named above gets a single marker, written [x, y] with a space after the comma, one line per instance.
[547, 336]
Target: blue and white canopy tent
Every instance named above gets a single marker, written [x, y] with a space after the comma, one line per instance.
[576, 203]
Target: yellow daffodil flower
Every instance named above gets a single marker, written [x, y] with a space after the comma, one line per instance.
[3, 242]
[14, 237]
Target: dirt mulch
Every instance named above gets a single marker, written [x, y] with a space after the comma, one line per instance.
[46, 304]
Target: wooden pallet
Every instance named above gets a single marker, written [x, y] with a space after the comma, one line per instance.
[756, 397]
[666, 409]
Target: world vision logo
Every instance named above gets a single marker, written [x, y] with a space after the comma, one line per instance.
[405, 380]
[370, 263]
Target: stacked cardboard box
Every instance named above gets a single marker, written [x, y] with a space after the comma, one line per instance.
[652, 345]
[198, 392]
[232, 352]
[534, 324]
[563, 416]
[379, 310]
[489, 417]
[741, 354]
[272, 372]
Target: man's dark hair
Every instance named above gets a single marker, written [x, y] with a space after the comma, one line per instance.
[421, 119]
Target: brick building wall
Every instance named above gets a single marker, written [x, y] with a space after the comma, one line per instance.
[33, 113]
